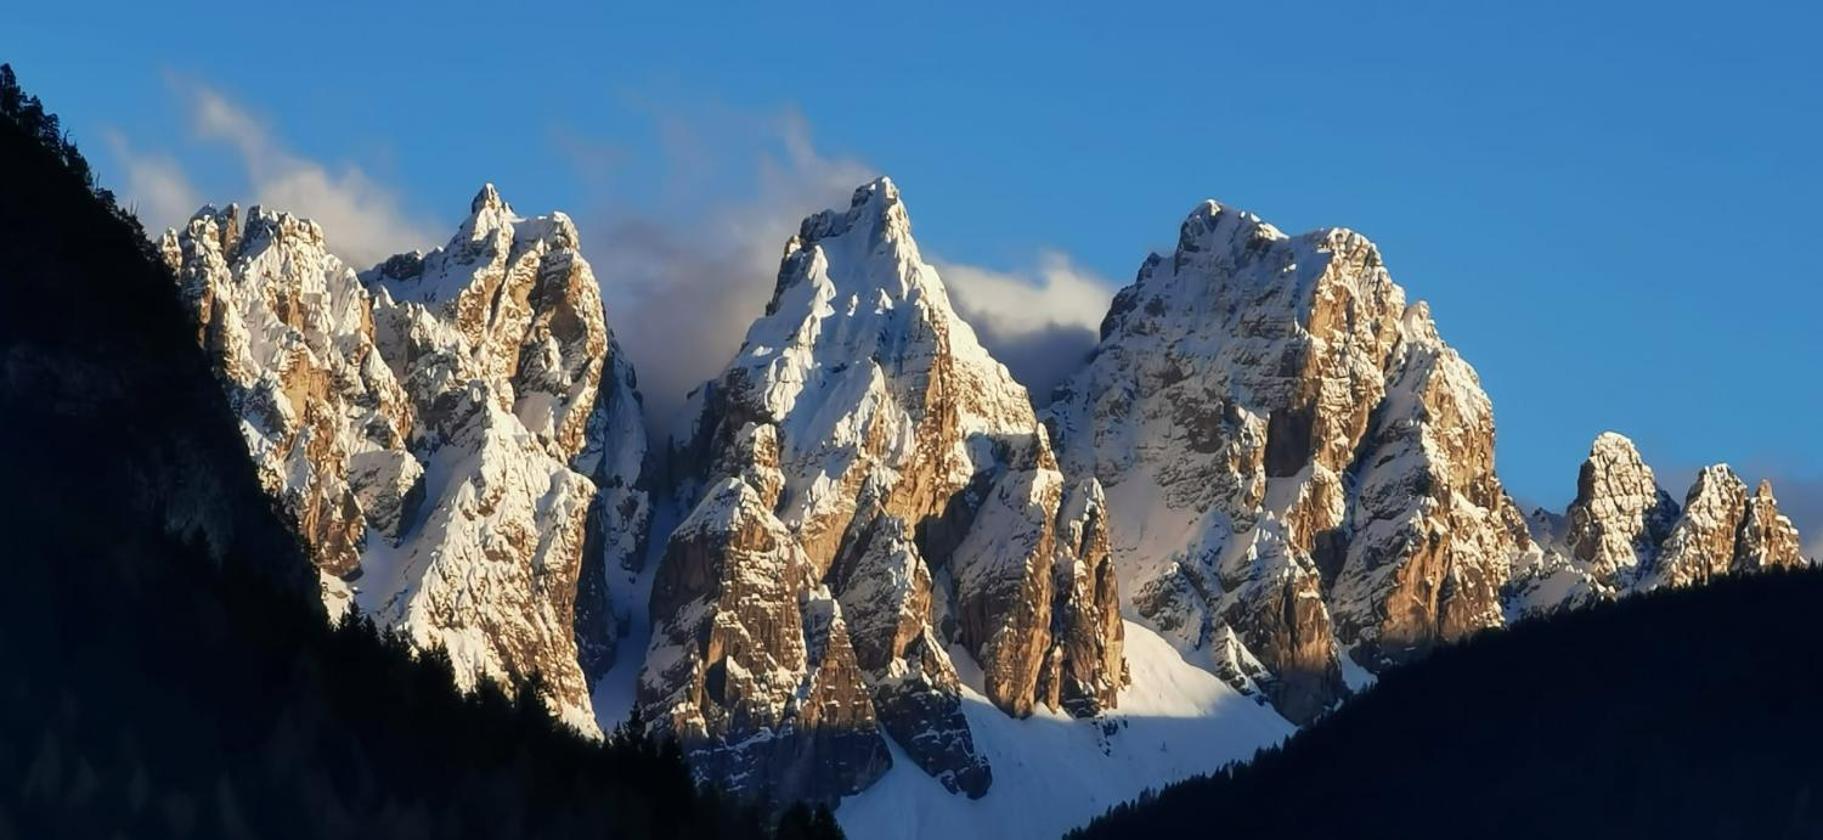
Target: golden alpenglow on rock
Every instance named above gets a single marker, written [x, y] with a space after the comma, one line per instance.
[864, 457]
[439, 429]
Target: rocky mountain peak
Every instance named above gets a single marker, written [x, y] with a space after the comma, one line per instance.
[1702, 543]
[874, 213]
[487, 202]
[1211, 225]
[874, 258]
[1620, 515]
[301, 232]
[489, 217]
[1725, 529]
[223, 221]
[1768, 539]
[1623, 534]
[289, 327]
[447, 433]
[917, 498]
[1294, 461]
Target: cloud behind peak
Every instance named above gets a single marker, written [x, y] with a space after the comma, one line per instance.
[364, 220]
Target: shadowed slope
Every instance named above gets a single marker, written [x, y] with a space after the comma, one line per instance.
[1684, 713]
[165, 665]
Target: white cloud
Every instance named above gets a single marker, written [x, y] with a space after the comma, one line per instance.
[1041, 323]
[1057, 295]
[363, 220]
[685, 273]
[157, 189]
[685, 267]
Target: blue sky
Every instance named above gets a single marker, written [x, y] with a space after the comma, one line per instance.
[1611, 210]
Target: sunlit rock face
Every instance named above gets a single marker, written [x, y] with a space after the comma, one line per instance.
[448, 431]
[1724, 529]
[1702, 543]
[290, 329]
[1083, 670]
[753, 669]
[867, 456]
[1620, 515]
[1295, 463]
[1623, 534]
[1768, 539]
[1433, 533]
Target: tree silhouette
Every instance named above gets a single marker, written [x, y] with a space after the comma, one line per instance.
[166, 666]
[1692, 713]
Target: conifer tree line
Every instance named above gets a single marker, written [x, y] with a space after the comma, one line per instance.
[1682, 713]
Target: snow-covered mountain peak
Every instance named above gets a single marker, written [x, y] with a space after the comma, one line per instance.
[1245, 253]
[1624, 534]
[447, 435]
[1724, 529]
[918, 518]
[1418, 324]
[487, 202]
[488, 243]
[875, 213]
[1767, 537]
[279, 224]
[489, 216]
[1212, 226]
[1716, 474]
[1272, 399]
[1620, 514]
[1613, 449]
[856, 314]
[864, 255]
[222, 222]
[250, 232]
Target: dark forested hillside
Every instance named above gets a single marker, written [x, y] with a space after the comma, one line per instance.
[165, 669]
[1694, 713]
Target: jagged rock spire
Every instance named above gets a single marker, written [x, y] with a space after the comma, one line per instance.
[1768, 539]
[1241, 387]
[1701, 545]
[1619, 516]
[1626, 535]
[289, 328]
[447, 431]
[915, 490]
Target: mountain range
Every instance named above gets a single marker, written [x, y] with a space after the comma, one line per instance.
[871, 571]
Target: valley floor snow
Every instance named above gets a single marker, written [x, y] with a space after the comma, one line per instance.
[1053, 772]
